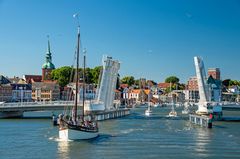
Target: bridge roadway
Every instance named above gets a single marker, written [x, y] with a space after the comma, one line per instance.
[35, 106]
[16, 110]
[231, 107]
[60, 105]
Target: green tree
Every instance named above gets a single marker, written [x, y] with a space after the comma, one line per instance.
[128, 80]
[234, 83]
[95, 73]
[137, 83]
[62, 75]
[178, 86]
[88, 76]
[172, 79]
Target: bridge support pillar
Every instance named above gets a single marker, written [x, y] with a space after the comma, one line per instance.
[11, 114]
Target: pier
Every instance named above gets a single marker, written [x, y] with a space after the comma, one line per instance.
[111, 114]
[202, 120]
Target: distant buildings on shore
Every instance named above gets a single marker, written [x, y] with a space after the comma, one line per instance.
[42, 88]
[31, 87]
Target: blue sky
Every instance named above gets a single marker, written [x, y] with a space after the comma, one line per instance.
[152, 38]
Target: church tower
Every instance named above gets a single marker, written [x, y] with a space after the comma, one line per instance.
[48, 66]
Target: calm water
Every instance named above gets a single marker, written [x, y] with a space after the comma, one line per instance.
[134, 136]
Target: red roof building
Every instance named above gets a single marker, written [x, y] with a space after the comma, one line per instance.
[163, 85]
[32, 78]
[192, 84]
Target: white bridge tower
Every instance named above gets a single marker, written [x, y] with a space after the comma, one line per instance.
[108, 82]
[202, 86]
[205, 105]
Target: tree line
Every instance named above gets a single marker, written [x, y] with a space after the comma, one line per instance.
[175, 85]
[66, 74]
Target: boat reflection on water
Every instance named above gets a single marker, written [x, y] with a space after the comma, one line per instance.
[202, 141]
[63, 149]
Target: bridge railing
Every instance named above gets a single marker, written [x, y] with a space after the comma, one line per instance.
[43, 103]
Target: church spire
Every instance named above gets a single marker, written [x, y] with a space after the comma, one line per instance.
[48, 45]
[48, 54]
[48, 64]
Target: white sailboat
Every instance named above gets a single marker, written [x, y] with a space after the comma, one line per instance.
[156, 105]
[148, 111]
[74, 126]
[172, 113]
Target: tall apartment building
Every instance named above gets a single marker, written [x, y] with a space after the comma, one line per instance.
[192, 93]
[215, 73]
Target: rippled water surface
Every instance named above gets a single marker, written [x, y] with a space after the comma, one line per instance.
[134, 136]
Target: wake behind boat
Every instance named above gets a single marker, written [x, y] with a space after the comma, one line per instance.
[73, 126]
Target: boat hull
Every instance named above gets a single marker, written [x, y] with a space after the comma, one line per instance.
[72, 134]
[172, 114]
[148, 112]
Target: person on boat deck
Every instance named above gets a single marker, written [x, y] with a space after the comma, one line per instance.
[60, 119]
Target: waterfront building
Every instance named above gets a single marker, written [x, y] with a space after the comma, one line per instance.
[117, 95]
[45, 91]
[140, 95]
[215, 73]
[163, 86]
[192, 93]
[66, 93]
[215, 89]
[164, 98]
[32, 78]
[156, 92]
[126, 96]
[21, 90]
[142, 83]
[179, 96]
[132, 96]
[5, 89]
[214, 85]
[192, 83]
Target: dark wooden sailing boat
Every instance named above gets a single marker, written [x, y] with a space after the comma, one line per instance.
[75, 126]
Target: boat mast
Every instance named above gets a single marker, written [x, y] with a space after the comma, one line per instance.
[84, 65]
[77, 71]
